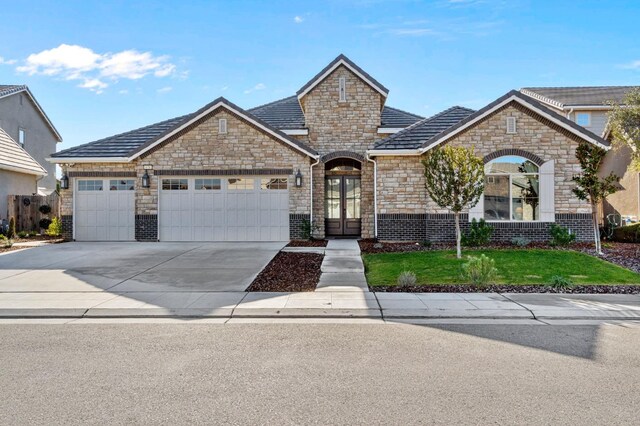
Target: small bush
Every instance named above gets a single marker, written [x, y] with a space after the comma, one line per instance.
[627, 234]
[560, 282]
[425, 243]
[561, 236]
[6, 243]
[44, 223]
[2, 237]
[308, 229]
[520, 241]
[45, 209]
[407, 278]
[479, 234]
[55, 228]
[480, 270]
[33, 234]
[12, 228]
[23, 234]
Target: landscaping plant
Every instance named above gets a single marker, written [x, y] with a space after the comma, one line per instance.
[560, 282]
[308, 229]
[12, 228]
[55, 228]
[44, 223]
[520, 241]
[454, 179]
[478, 235]
[627, 234]
[23, 234]
[45, 209]
[480, 270]
[561, 236]
[407, 278]
[624, 122]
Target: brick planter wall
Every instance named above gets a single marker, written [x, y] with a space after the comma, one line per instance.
[67, 227]
[295, 225]
[402, 227]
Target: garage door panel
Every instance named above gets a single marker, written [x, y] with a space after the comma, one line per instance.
[104, 215]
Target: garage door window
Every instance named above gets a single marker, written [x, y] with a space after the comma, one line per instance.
[121, 185]
[208, 184]
[175, 184]
[267, 184]
[240, 184]
[90, 185]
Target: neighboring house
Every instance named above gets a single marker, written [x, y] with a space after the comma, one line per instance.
[589, 106]
[22, 117]
[333, 154]
[20, 173]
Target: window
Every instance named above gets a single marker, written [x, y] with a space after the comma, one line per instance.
[238, 184]
[175, 184]
[22, 134]
[512, 189]
[583, 119]
[222, 126]
[511, 125]
[89, 185]
[208, 184]
[278, 183]
[121, 185]
[342, 84]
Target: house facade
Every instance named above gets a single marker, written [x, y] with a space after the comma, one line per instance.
[24, 120]
[334, 155]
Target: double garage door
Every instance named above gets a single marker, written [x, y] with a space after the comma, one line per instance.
[190, 209]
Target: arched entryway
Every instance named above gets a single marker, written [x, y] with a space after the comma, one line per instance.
[342, 197]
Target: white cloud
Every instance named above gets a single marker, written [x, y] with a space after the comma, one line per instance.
[634, 65]
[259, 86]
[4, 61]
[73, 62]
[298, 19]
[166, 89]
[123, 92]
[415, 32]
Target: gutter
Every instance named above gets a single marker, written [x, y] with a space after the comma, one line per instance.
[393, 153]
[375, 195]
[311, 191]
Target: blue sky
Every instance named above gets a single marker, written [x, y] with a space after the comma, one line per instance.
[100, 68]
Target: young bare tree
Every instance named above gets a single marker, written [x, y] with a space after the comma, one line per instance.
[454, 180]
[591, 187]
[624, 122]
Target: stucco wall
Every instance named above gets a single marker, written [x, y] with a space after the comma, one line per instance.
[40, 141]
[625, 202]
[12, 183]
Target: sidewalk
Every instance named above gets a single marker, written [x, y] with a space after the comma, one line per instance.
[325, 304]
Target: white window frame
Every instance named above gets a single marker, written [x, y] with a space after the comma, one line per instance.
[511, 126]
[586, 114]
[511, 219]
[342, 89]
[222, 126]
[22, 136]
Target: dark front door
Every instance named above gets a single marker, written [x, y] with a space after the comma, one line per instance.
[342, 205]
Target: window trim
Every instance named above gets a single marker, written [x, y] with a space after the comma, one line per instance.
[342, 89]
[222, 126]
[511, 121]
[510, 175]
[587, 114]
[90, 180]
[22, 136]
[133, 184]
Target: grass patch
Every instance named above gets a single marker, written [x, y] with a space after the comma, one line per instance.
[522, 267]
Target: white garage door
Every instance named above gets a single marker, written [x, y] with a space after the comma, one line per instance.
[224, 209]
[104, 210]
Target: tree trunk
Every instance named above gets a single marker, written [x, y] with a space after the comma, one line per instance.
[458, 235]
[596, 228]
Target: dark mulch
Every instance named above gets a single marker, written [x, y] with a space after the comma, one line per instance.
[289, 272]
[307, 243]
[577, 289]
[626, 255]
[35, 238]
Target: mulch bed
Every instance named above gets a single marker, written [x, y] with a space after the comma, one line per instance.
[626, 255]
[35, 238]
[576, 289]
[307, 243]
[289, 271]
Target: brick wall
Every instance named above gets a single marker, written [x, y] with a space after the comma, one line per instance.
[146, 227]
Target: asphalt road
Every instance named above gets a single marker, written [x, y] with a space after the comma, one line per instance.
[319, 374]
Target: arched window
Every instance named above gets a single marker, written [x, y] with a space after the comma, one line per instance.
[512, 189]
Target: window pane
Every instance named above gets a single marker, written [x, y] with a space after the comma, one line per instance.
[89, 185]
[511, 164]
[175, 184]
[583, 118]
[121, 185]
[332, 208]
[278, 183]
[525, 197]
[240, 184]
[353, 208]
[207, 184]
[496, 197]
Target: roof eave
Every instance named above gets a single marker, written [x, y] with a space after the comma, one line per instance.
[23, 170]
[393, 152]
[74, 160]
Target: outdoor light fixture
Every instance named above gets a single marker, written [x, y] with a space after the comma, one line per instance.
[298, 179]
[146, 180]
[64, 182]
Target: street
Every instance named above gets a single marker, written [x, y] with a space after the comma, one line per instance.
[301, 373]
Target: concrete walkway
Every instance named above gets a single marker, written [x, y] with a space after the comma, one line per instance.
[342, 268]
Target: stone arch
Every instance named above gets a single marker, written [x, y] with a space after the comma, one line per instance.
[514, 151]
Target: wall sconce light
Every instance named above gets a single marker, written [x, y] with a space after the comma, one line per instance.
[146, 180]
[64, 182]
[298, 179]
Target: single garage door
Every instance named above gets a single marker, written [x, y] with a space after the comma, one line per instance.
[104, 210]
[224, 209]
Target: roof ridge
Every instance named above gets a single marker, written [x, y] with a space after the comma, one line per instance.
[268, 104]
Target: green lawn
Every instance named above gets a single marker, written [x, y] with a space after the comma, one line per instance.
[514, 267]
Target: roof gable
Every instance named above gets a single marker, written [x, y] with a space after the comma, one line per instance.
[10, 90]
[342, 60]
[561, 97]
[16, 159]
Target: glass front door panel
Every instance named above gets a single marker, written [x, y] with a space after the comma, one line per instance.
[352, 197]
[332, 198]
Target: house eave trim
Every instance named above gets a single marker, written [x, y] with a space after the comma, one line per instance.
[22, 170]
[70, 160]
[393, 152]
[295, 132]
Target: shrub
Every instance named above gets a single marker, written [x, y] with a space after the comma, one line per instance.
[425, 243]
[45, 209]
[23, 234]
[44, 223]
[480, 270]
[12, 228]
[307, 229]
[560, 282]
[478, 235]
[407, 278]
[561, 236]
[2, 237]
[627, 234]
[55, 228]
[7, 243]
[520, 241]
[33, 233]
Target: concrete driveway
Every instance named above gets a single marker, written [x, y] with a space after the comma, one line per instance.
[135, 267]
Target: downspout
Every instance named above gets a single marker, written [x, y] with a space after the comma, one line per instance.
[37, 181]
[569, 114]
[311, 191]
[375, 196]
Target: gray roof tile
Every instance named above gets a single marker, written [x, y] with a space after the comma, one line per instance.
[572, 96]
[15, 158]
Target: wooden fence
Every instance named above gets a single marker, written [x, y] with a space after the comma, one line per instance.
[26, 209]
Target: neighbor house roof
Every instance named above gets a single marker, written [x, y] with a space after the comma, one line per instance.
[132, 144]
[287, 114]
[12, 89]
[342, 60]
[16, 159]
[566, 97]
